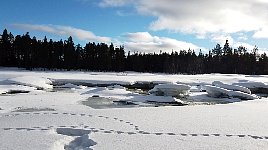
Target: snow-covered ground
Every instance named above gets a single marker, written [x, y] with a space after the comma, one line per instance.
[46, 118]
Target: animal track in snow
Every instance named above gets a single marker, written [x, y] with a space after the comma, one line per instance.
[75, 130]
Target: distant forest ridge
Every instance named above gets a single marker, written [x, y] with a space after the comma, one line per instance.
[27, 52]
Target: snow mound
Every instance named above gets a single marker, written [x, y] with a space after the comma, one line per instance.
[33, 81]
[80, 143]
[82, 140]
[170, 89]
[218, 92]
[196, 88]
[231, 87]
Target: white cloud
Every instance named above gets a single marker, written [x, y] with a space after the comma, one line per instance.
[203, 17]
[123, 13]
[261, 34]
[114, 3]
[145, 42]
[221, 39]
[65, 31]
[247, 45]
[242, 37]
[250, 47]
[139, 41]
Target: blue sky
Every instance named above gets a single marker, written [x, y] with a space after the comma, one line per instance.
[142, 25]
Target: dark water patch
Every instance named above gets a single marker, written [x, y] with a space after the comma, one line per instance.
[95, 96]
[13, 92]
[143, 85]
[174, 103]
[17, 91]
[259, 90]
[121, 102]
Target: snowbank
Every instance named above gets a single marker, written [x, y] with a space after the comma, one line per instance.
[231, 87]
[170, 89]
[218, 92]
[33, 81]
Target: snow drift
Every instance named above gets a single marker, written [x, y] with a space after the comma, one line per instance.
[219, 92]
[231, 87]
[170, 89]
[33, 81]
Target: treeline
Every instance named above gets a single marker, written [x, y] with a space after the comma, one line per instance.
[26, 52]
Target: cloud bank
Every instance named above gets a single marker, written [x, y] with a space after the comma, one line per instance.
[139, 41]
[201, 17]
[64, 31]
[145, 42]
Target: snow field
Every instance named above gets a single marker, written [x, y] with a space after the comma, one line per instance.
[45, 119]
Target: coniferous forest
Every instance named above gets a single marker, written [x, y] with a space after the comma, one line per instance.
[27, 52]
